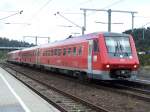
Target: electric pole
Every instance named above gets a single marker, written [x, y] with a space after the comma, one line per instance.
[109, 11]
[82, 28]
[36, 37]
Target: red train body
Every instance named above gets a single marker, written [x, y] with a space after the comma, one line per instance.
[100, 55]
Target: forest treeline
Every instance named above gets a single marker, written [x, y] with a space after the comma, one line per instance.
[4, 42]
[141, 37]
[142, 41]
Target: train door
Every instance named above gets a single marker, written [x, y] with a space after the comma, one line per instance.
[37, 56]
[95, 54]
[90, 58]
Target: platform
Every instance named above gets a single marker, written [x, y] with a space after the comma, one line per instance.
[16, 97]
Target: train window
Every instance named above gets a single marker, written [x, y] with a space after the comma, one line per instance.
[64, 51]
[74, 51]
[90, 50]
[55, 51]
[38, 53]
[34, 53]
[43, 53]
[69, 51]
[48, 52]
[80, 51]
[95, 46]
[51, 52]
[59, 52]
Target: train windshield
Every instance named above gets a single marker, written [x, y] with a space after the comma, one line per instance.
[118, 46]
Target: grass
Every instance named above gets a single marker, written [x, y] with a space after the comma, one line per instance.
[3, 55]
[144, 60]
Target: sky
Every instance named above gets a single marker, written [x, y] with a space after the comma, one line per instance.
[39, 19]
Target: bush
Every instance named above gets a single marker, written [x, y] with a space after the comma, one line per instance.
[144, 59]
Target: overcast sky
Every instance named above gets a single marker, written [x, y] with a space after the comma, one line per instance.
[38, 17]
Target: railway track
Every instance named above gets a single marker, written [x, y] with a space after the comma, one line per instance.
[120, 90]
[129, 88]
[125, 89]
[65, 102]
[139, 87]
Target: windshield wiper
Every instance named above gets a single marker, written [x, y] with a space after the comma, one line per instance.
[116, 49]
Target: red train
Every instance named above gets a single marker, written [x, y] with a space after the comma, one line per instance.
[101, 55]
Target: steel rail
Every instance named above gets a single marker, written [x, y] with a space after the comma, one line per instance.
[77, 99]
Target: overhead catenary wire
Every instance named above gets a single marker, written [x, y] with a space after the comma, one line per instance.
[85, 2]
[109, 11]
[112, 4]
[84, 27]
[39, 10]
[20, 12]
[34, 15]
[108, 6]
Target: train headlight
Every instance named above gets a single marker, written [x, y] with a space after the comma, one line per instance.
[135, 66]
[107, 66]
[130, 57]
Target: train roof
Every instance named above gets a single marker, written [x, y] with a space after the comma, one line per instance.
[112, 34]
[14, 51]
[71, 40]
[76, 40]
[84, 38]
[30, 48]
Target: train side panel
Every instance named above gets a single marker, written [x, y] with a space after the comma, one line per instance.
[72, 56]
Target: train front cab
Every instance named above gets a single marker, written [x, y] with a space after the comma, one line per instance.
[112, 56]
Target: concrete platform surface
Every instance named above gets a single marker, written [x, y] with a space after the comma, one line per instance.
[16, 97]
